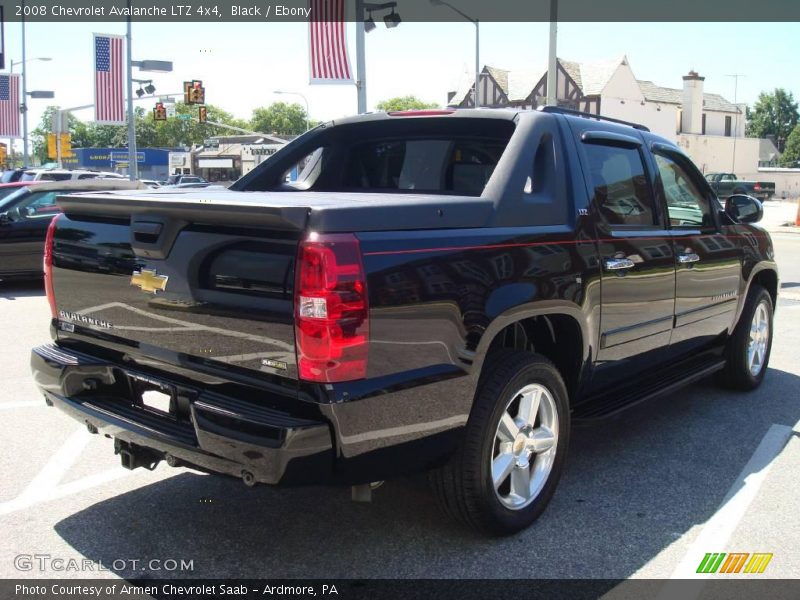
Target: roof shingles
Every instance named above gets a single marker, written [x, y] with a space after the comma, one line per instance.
[591, 78]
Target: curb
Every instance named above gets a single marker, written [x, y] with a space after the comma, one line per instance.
[784, 229]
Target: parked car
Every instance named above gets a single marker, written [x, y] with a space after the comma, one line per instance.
[12, 175]
[67, 174]
[727, 184]
[25, 216]
[443, 291]
[7, 189]
[181, 179]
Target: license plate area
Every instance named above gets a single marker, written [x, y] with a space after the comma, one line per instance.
[153, 395]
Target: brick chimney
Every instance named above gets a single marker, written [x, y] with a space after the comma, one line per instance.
[692, 108]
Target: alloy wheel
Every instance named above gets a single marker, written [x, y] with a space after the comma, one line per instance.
[524, 446]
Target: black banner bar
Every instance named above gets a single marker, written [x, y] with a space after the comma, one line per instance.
[254, 11]
[730, 588]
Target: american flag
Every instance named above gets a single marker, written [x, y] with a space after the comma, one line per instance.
[9, 106]
[109, 101]
[328, 43]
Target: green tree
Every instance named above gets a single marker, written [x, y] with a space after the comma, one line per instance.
[404, 103]
[773, 114]
[171, 133]
[791, 152]
[281, 118]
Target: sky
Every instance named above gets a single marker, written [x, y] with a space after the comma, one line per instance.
[242, 64]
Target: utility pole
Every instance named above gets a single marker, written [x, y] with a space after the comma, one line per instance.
[736, 126]
[24, 105]
[361, 60]
[552, 59]
[133, 166]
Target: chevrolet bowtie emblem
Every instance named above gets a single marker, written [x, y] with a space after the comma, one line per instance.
[149, 281]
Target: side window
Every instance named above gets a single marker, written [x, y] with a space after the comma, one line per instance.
[305, 173]
[621, 190]
[87, 176]
[39, 205]
[56, 176]
[687, 206]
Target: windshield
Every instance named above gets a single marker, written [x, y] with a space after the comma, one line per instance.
[4, 192]
[11, 199]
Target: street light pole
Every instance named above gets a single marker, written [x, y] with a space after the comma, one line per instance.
[24, 105]
[477, 63]
[133, 166]
[308, 124]
[465, 16]
[361, 61]
[552, 59]
[736, 126]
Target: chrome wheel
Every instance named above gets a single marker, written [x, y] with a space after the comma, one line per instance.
[759, 340]
[524, 446]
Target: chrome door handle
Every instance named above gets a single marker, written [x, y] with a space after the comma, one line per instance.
[617, 264]
[690, 257]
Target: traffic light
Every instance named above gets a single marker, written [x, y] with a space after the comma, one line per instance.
[202, 114]
[53, 145]
[194, 92]
[159, 112]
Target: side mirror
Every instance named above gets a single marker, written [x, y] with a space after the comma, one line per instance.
[744, 209]
[4, 220]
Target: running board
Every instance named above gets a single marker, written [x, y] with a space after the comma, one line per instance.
[613, 402]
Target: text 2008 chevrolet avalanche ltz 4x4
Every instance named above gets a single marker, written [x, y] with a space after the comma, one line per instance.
[441, 291]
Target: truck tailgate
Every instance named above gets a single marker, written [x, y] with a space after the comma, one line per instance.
[179, 281]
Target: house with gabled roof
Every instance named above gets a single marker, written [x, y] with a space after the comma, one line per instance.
[610, 88]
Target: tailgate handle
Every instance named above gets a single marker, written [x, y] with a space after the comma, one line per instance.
[146, 232]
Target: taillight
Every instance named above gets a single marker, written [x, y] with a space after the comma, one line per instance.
[331, 310]
[48, 266]
[757, 187]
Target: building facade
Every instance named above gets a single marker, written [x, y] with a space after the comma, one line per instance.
[610, 88]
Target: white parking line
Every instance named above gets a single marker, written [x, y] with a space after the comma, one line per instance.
[718, 530]
[45, 486]
[22, 404]
[720, 527]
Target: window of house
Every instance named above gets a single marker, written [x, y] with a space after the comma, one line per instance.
[704, 123]
[687, 206]
[621, 191]
[728, 123]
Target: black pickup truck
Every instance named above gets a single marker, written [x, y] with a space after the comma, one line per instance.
[441, 291]
[727, 184]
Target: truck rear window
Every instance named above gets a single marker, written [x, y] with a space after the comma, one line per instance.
[458, 166]
[431, 155]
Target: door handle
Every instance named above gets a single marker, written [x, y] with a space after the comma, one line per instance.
[618, 264]
[689, 257]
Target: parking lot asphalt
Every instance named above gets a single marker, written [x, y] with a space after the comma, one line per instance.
[640, 497]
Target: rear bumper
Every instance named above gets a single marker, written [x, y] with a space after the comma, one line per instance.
[215, 433]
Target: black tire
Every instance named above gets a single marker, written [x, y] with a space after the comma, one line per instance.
[737, 373]
[464, 487]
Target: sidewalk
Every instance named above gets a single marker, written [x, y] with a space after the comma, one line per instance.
[779, 216]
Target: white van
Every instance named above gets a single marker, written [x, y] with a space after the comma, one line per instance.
[66, 174]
